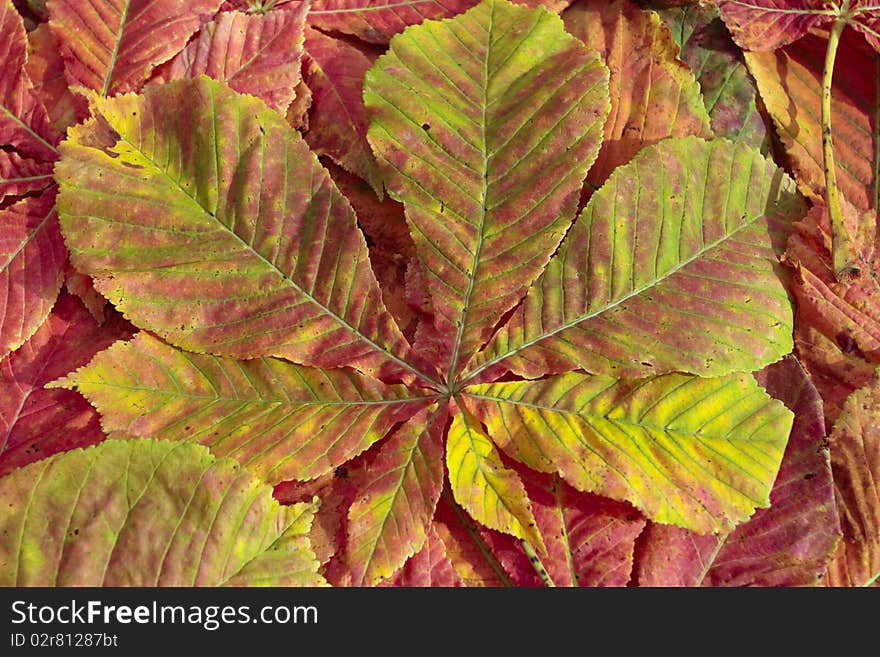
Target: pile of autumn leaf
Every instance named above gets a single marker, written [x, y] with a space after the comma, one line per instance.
[522, 294]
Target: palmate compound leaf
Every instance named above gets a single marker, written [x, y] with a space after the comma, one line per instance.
[485, 126]
[281, 420]
[149, 513]
[671, 266]
[111, 46]
[177, 238]
[204, 217]
[698, 453]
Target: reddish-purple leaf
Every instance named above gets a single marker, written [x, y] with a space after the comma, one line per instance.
[255, 54]
[334, 492]
[32, 261]
[771, 24]
[788, 544]
[838, 322]
[790, 83]
[467, 550]
[111, 46]
[430, 566]
[389, 520]
[35, 422]
[24, 123]
[45, 67]
[334, 71]
[590, 539]
[377, 21]
[19, 175]
[855, 459]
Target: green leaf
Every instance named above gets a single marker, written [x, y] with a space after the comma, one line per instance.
[485, 125]
[283, 421]
[698, 453]
[493, 494]
[149, 513]
[671, 266]
[204, 218]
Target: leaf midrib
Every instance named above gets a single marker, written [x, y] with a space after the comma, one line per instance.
[115, 53]
[475, 262]
[614, 420]
[249, 401]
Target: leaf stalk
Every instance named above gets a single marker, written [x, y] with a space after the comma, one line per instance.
[537, 564]
[842, 259]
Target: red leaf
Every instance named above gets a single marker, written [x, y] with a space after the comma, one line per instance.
[653, 94]
[35, 422]
[19, 175]
[24, 123]
[467, 550]
[431, 566]
[838, 322]
[771, 24]
[46, 69]
[790, 83]
[590, 539]
[377, 21]
[32, 261]
[855, 458]
[334, 72]
[255, 54]
[111, 46]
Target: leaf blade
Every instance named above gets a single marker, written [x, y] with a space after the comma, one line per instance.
[105, 44]
[670, 445]
[281, 420]
[256, 54]
[787, 544]
[32, 261]
[389, 521]
[493, 494]
[485, 126]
